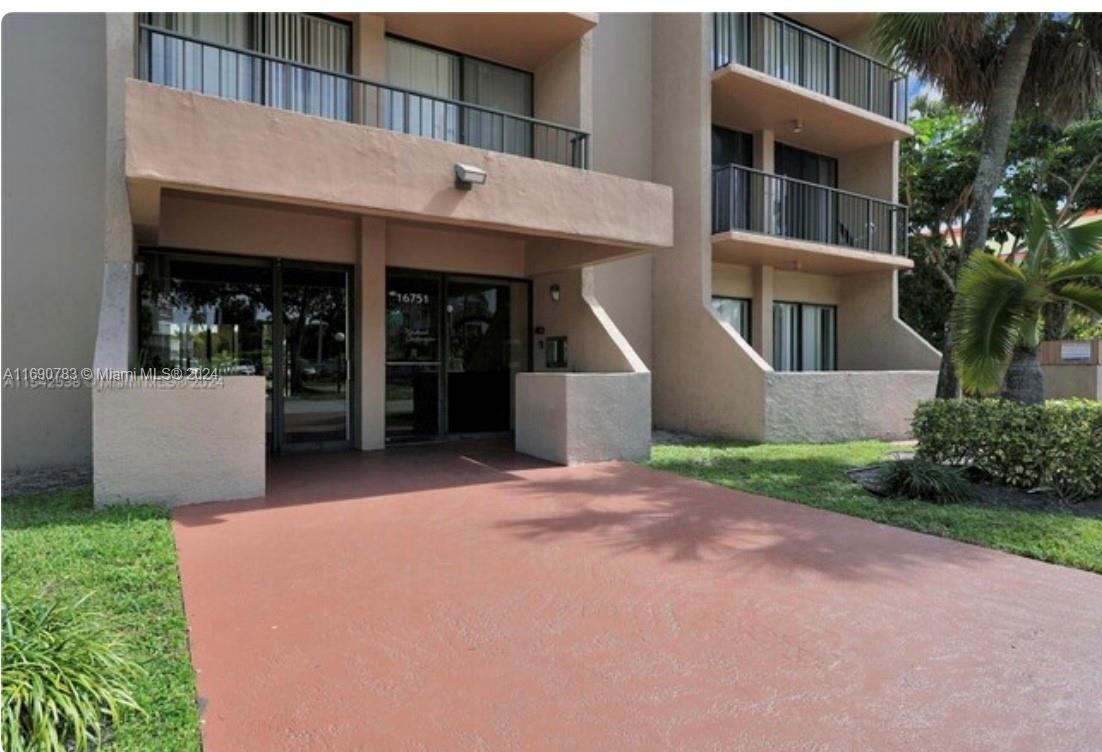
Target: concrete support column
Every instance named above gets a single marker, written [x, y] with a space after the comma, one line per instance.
[369, 61]
[371, 334]
[115, 340]
[762, 189]
[762, 314]
[763, 150]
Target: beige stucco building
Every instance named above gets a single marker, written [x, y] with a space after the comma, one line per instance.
[373, 229]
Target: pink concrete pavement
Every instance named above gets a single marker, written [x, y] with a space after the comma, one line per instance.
[468, 598]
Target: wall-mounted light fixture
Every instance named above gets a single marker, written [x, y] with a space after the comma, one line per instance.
[797, 126]
[467, 175]
[556, 293]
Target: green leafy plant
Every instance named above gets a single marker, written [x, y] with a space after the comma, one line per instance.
[998, 312]
[1053, 445]
[919, 478]
[1045, 67]
[64, 679]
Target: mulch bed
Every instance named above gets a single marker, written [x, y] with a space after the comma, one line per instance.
[990, 494]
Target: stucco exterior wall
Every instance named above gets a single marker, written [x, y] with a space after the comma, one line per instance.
[844, 405]
[622, 107]
[1066, 381]
[871, 336]
[252, 228]
[172, 444]
[178, 139]
[54, 126]
[445, 249]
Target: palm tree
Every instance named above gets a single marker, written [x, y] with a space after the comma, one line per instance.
[997, 317]
[1002, 65]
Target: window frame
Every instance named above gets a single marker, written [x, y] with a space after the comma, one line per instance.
[749, 336]
[800, 305]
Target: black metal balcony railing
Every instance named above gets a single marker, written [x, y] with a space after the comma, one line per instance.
[185, 62]
[748, 199]
[793, 53]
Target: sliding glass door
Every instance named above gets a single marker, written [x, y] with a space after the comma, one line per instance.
[310, 40]
[804, 337]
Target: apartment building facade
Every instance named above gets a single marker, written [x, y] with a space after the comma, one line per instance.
[379, 229]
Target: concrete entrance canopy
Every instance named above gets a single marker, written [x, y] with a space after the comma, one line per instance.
[184, 140]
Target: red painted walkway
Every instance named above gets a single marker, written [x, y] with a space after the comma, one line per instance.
[443, 599]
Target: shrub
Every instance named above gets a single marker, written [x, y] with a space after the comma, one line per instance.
[1054, 445]
[63, 679]
[921, 479]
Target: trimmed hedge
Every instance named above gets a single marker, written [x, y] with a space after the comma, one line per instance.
[1055, 445]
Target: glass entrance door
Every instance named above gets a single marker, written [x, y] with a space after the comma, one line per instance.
[315, 367]
[478, 317]
[286, 322]
[412, 356]
[454, 346]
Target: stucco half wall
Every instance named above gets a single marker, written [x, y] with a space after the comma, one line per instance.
[571, 418]
[602, 412]
[843, 405]
[172, 442]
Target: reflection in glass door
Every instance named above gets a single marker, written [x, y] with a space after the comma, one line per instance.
[412, 356]
[454, 346]
[254, 317]
[487, 325]
[315, 384]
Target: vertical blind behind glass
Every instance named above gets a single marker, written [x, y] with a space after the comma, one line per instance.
[308, 40]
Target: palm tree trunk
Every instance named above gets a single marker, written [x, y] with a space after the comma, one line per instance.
[1056, 319]
[998, 117]
[1025, 381]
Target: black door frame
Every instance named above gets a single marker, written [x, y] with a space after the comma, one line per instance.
[442, 433]
[278, 443]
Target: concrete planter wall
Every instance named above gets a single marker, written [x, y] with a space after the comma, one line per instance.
[173, 443]
[571, 418]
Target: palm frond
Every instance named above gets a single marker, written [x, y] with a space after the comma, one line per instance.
[990, 309]
[954, 50]
[1064, 78]
[1082, 240]
[1081, 295]
[1080, 269]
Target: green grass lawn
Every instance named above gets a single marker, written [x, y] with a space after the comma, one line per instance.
[56, 546]
[814, 474]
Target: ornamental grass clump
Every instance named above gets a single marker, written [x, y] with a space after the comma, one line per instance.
[64, 679]
[919, 478]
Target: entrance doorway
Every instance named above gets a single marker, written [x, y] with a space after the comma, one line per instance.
[454, 346]
[286, 321]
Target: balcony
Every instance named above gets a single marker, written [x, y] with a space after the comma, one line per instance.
[774, 74]
[184, 62]
[824, 230]
[790, 52]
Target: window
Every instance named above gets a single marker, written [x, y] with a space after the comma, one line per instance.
[443, 75]
[301, 38]
[734, 311]
[804, 337]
